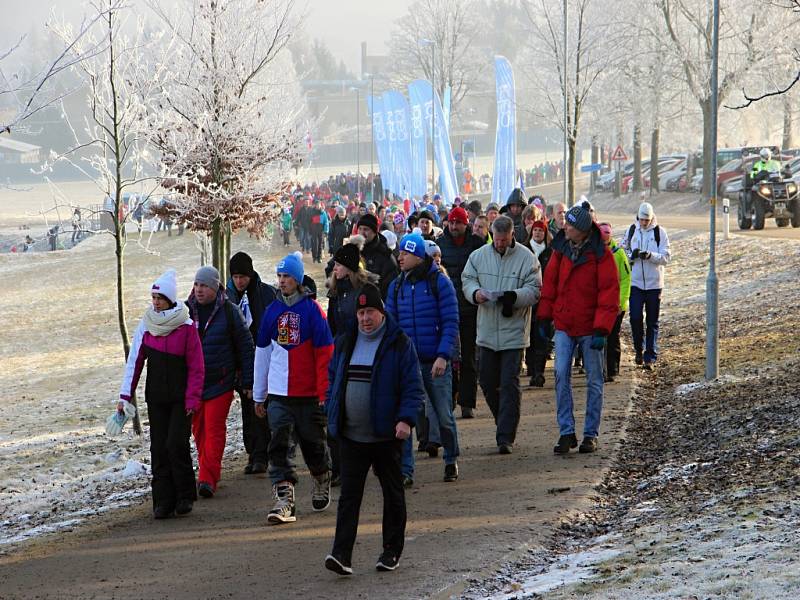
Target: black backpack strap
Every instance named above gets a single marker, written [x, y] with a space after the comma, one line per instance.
[631, 230]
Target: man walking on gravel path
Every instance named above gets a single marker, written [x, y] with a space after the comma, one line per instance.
[293, 348]
[503, 279]
[580, 293]
[375, 394]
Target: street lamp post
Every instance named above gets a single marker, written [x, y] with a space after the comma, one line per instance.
[372, 140]
[355, 89]
[567, 201]
[712, 282]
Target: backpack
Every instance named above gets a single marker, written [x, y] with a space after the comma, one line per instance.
[656, 234]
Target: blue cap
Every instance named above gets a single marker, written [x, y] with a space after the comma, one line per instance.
[413, 244]
[292, 265]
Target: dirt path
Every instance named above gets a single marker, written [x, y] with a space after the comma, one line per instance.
[225, 550]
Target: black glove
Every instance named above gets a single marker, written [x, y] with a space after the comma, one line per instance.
[644, 255]
[507, 300]
[635, 254]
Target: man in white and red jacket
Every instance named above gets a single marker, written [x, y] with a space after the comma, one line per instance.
[293, 348]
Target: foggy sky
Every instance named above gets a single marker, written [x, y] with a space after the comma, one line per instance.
[341, 24]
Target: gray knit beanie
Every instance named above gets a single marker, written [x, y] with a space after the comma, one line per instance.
[207, 275]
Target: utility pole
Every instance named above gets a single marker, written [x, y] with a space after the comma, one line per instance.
[358, 144]
[567, 201]
[712, 282]
[433, 120]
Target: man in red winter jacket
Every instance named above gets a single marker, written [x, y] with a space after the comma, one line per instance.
[580, 294]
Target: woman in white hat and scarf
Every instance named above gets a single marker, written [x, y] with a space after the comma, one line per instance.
[167, 339]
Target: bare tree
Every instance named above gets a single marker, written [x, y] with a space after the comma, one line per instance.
[31, 92]
[591, 54]
[232, 125]
[453, 28]
[111, 148]
[747, 33]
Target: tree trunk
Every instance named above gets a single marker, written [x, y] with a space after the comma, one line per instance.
[570, 171]
[788, 132]
[708, 185]
[217, 244]
[636, 183]
[595, 160]
[654, 141]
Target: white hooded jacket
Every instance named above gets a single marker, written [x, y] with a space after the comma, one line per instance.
[647, 274]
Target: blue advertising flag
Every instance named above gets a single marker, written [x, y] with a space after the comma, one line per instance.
[381, 142]
[419, 149]
[396, 110]
[505, 142]
[421, 93]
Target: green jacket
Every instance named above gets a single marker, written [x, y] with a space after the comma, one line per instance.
[624, 268]
[771, 166]
[517, 270]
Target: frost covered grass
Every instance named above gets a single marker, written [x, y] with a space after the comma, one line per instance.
[61, 361]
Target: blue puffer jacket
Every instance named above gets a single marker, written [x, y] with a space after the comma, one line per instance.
[430, 323]
[228, 349]
[396, 391]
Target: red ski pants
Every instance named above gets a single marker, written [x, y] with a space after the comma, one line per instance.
[209, 429]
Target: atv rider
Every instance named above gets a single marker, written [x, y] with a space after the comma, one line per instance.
[762, 168]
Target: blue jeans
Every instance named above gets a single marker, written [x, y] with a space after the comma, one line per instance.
[593, 365]
[439, 406]
[648, 301]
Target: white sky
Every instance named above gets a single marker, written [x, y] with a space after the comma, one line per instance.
[341, 24]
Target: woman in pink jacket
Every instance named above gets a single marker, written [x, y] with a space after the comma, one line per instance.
[167, 339]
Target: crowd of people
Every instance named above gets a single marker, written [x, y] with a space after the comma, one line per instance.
[425, 304]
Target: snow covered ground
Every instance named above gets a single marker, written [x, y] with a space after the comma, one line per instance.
[61, 361]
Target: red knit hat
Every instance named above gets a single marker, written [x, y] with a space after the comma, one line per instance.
[539, 225]
[458, 215]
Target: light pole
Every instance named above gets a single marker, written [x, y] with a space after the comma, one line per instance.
[712, 282]
[358, 141]
[567, 201]
[372, 140]
[432, 44]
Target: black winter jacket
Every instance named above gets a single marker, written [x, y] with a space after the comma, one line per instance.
[380, 261]
[454, 259]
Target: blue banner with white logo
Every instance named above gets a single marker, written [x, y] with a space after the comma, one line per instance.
[505, 142]
[419, 146]
[420, 93]
[396, 111]
[381, 142]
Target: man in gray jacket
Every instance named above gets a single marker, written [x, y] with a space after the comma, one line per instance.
[504, 280]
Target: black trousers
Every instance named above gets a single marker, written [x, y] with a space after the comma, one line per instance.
[468, 377]
[614, 348]
[171, 459]
[356, 460]
[500, 385]
[536, 353]
[316, 245]
[255, 432]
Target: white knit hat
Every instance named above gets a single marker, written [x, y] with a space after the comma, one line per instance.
[167, 285]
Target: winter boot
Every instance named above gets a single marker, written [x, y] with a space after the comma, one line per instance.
[566, 443]
[283, 511]
[321, 494]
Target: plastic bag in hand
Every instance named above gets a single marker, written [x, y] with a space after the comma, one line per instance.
[116, 421]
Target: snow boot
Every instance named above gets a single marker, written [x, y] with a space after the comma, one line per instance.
[283, 511]
[321, 494]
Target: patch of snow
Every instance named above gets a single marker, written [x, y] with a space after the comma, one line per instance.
[567, 570]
